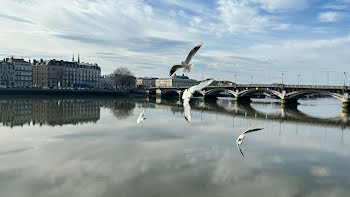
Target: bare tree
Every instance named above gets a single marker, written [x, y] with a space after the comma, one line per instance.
[123, 78]
[58, 75]
[123, 108]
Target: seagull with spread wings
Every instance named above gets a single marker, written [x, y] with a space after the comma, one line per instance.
[186, 64]
[141, 118]
[240, 138]
[188, 94]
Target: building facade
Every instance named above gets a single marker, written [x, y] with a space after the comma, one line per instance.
[222, 83]
[175, 81]
[146, 82]
[106, 82]
[7, 74]
[47, 73]
[59, 73]
[23, 72]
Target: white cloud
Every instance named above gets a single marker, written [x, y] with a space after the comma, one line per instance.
[328, 17]
[337, 4]
[245, 17]
[281, 5]
[150, 37]
[238, 16]
[283, 26]
[305, 55]
[87, 27]
[320, 171]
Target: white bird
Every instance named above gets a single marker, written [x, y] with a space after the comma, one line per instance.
[188, 94]
[240, 138]
[185, 64]
[141, 118]
[187, 110]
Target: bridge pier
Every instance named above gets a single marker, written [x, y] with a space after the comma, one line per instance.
[289, 103]
[158, 99]
[158, 92]
[179, 92]
[346, 107]
[209, 98]
[242, 99]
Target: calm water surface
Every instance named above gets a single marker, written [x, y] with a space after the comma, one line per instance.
[93, 147]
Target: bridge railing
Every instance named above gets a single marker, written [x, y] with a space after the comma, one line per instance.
[265, 86]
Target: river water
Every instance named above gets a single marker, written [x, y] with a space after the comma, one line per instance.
[68, 146]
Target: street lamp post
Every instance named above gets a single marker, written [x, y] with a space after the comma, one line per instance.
[282, 76]
[251, 79]
[345, 73]
[298, 78]
[235, 78]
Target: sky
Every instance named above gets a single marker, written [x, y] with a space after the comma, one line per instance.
[244, 41]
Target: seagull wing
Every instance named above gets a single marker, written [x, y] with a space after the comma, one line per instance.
[192, 52]
[252, 130]
[186, 95]
[204, 84]
[174, 68]
[240, 150]
[201, 85]
[142, 114]
[187, 110]
[141, 117]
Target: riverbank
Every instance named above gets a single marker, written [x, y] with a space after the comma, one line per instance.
[18, 91]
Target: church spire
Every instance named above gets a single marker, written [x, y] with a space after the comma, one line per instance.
[73, 58]
[78, 58]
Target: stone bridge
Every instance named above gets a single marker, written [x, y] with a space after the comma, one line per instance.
[235, 109]
[289, 94]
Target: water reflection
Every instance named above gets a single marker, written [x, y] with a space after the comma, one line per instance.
[20, 111]
[231, 108]
[53, 111]
[122, 108]
[62, 111]
[169, 157]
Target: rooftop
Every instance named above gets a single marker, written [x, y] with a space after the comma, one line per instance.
[179, 76]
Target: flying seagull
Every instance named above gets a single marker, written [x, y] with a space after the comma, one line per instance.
[185, 64]
[240, 138]
[188, 94]
[187, 110]
[141, 118]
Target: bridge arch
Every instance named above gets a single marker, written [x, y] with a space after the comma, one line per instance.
[251, 91]
[301, 93]
[171, 91]
[218, 90]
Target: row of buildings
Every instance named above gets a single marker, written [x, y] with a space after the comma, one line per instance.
[59, 73]
[49, 73]
[175, 81]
